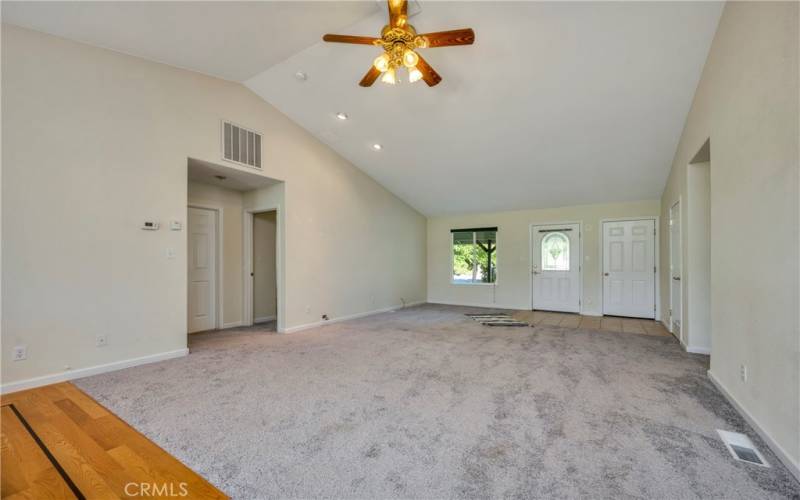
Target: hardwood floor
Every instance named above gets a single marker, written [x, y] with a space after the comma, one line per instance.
[57, 442]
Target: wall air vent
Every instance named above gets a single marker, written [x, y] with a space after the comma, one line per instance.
[241, 145]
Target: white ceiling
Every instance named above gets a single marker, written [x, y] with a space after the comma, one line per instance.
[231, 40]
[556, 104]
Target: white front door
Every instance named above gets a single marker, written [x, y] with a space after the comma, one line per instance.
[556, 257]
[202, 234]
[675, 270]
[629, 268]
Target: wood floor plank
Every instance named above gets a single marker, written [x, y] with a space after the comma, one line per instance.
[82, 400]
[13, 478]
[96, 450]
[26, 470]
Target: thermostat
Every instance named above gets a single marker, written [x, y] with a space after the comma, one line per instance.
[150, 225]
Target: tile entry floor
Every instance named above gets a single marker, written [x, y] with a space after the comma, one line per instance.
[605, 323]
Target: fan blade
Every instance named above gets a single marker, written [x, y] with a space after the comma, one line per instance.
[361, 40]
[370, 77]
[448, 38]
[430, 76]
[398, 12]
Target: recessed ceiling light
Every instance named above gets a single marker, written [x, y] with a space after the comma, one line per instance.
[341, 116]
[301, 76]
[377, 147]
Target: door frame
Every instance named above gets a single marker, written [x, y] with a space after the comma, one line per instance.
[247, 264]
[580, 258]
[671, 281]
[219, 321]
[656, 249]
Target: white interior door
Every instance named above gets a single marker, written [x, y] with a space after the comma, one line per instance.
[202, 259]
[629, 268]
[675, 254]
[556, 257]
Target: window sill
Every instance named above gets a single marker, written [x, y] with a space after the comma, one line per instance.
[455, 283]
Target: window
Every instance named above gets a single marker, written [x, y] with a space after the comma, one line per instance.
[555, 252]
[474, 255]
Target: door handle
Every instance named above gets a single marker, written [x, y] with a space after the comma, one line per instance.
[535, 272]
[676, 278]
[605, 274]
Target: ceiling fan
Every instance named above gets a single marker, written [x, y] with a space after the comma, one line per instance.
[399, 41]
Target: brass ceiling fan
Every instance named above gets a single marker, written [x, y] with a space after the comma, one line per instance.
[399, 41]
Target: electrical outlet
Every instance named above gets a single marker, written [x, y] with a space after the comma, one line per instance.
[743, 373]
[20, 353]
[100, 341]
[325, 317]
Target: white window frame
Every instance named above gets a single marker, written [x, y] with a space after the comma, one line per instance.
[474, 283]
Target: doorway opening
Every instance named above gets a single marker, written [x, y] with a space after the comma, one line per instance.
[264, 268]
[697, 268]
[675, 272]
[556, 255]
[219, 257]
[263, 264]
[629, 249]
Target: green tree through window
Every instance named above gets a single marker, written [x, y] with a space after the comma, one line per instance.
[475, 256]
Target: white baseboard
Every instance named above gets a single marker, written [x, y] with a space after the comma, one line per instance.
[698, 350]
[54, 378]
[293, 329]
[264, 319]
[794, 467]
[232, 324]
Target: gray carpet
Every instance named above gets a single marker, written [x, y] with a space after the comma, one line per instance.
[426, 403]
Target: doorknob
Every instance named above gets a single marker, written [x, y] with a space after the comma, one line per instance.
[605, 274]
[535, 272]
[676, 278]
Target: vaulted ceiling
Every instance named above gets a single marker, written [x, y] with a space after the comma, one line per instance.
[556, 103]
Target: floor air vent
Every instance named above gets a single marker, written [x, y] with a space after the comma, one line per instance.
[742, 448]
[241, 145]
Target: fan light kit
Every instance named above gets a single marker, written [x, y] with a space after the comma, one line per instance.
[341, 116]
[400, 42]
[377, 147]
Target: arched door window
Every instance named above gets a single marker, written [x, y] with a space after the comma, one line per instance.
[555, 252]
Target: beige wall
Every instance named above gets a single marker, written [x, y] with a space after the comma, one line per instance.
[230, 201]
[747, 104]
[265, 286]
[513, 253]
[95, 142]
